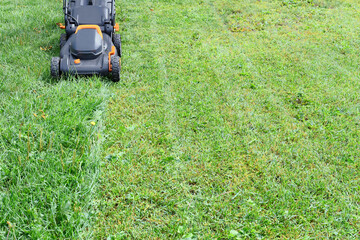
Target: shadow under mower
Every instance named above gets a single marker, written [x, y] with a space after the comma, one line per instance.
[90, 45]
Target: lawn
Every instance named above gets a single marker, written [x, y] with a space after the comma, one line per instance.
[233, 120]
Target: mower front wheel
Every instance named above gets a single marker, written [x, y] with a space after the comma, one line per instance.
[117, 43]
[116, 67]
[55, 67]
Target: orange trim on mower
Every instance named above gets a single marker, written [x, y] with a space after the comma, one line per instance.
[116, 27]
[90, 27]
[110, 54]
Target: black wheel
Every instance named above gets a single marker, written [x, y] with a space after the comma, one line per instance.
[117, 43]
[55, 67]
[63, 40]
[116, 67]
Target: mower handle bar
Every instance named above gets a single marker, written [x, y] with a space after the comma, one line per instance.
[65, 7]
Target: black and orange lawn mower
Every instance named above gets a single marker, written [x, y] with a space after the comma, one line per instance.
[90, 44]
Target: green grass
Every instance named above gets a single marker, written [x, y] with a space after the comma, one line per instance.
[49, 150]
[237, 119]
[233, 120]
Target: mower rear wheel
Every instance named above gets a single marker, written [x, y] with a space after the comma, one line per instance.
[63, 39]
[55, 67]
[116, 67]
[117, 43]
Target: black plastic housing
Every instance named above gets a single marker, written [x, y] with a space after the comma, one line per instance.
[88, 49]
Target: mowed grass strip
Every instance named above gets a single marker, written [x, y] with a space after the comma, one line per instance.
[235, 120]
[50, 132]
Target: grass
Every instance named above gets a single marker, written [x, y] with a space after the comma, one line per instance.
[233, 120]
[236, 120]
[49, 150]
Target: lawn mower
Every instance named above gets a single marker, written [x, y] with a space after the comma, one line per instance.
[90, 45]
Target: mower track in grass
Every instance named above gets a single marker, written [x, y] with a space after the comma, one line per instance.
[50, 132]
[236, 119]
